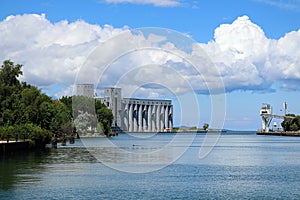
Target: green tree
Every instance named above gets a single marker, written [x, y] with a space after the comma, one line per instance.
[291, 124]
[205, 126]
[61, 116]
[9, 91]
[24, 108]
[68, 102]
[9, 73]
[105, 118]
[294, 127]
[46, 114]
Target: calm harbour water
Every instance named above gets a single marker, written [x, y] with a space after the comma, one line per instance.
[240, 166]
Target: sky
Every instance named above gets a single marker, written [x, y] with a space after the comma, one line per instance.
[248, 49]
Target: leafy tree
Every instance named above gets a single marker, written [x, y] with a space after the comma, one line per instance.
[61, 116]
[9, 73]
[46, 114]
[9, 91]
[25, 110]
[294, 127]
[291, 124]
[105, 118]
[205, 126]
[68, 102]
[23, 106]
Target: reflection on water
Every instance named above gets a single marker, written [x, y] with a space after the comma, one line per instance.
[240, 166]
[139, 154]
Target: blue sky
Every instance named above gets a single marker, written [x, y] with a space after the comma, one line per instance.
[199, 18]
[275, 23]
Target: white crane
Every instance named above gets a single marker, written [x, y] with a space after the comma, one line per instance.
[267, 116]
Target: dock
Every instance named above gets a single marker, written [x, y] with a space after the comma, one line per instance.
[267, 116]
[13, 146]
[280, 133]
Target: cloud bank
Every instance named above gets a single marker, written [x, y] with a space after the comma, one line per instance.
[248, 60]
[51, 53]
[245, 59]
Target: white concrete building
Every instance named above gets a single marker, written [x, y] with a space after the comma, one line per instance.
[138, 115]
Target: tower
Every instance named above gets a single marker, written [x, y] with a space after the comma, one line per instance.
[86, 90]
[112, 99]
[266, 115]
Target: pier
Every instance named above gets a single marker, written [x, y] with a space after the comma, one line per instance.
[280, 133]
[267, 116]
[13, 146]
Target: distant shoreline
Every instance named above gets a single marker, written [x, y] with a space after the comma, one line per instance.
[199, 131]
[180, 131]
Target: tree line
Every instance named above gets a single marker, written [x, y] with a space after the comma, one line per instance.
[291, 124]
[27, 112]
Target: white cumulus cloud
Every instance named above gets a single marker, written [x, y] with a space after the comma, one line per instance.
[240, 55]
[51, 53]
[247, 59]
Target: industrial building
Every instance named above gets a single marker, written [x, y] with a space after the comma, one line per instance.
[138, 115]
[132, 114]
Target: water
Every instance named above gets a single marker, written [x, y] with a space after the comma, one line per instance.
[240, 166]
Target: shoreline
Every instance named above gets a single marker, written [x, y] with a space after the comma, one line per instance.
[180, 131]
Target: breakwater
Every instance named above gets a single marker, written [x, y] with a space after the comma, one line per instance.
[280, 133]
